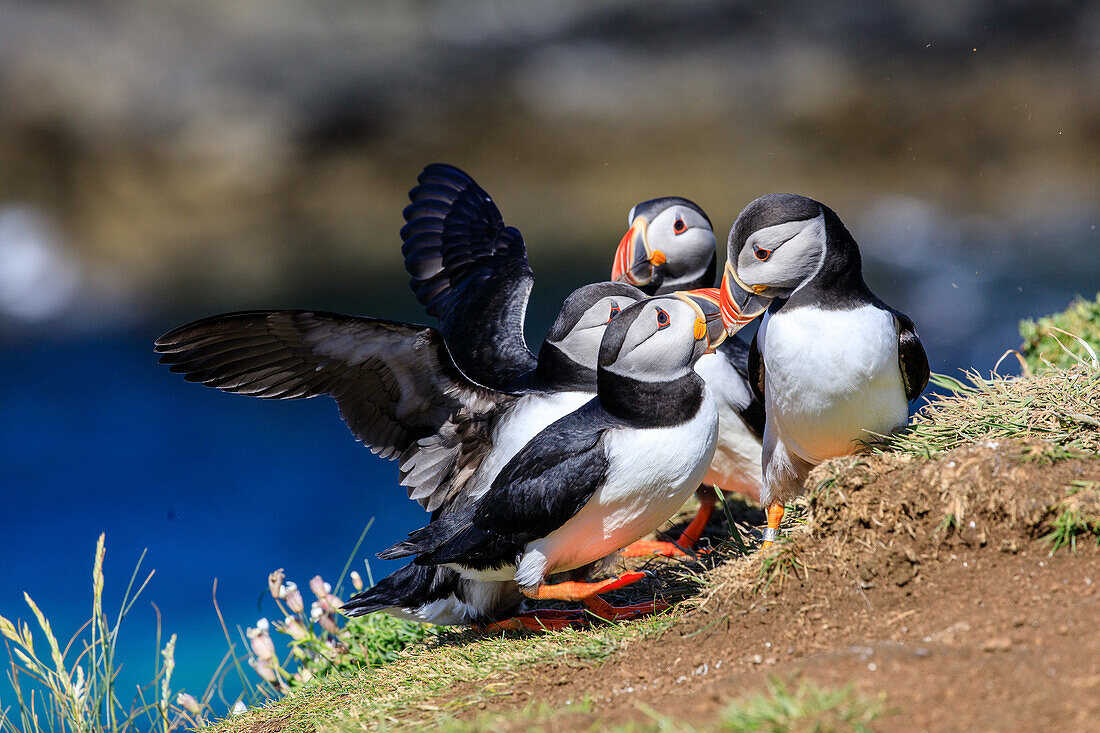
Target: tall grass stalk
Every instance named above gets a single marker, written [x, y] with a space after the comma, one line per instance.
[59, 693]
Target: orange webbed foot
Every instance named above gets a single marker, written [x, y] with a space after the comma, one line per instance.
[688, 538]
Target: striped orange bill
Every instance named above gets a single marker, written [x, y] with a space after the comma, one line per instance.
[705, 303]
[739, 305]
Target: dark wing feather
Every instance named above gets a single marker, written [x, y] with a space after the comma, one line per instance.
[911, 357]
[537, 491]
[394, 383]
[756, 369]
[470, 271]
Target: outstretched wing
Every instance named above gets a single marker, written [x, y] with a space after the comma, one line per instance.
[394, 383]
[470, 271]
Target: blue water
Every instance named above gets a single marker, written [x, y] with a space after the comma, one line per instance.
[96, 437]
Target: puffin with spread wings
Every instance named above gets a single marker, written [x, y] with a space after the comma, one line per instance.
[599, 478]
[405, 390]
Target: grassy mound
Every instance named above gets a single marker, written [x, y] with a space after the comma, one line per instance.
[996, 466]
[1047, 341]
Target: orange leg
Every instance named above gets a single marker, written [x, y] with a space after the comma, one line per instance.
[586, 593]
[546, 619]
[775, 516]
[688, 538]
[572, 590]
[554, 619]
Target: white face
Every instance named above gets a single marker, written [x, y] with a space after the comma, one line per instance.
[660, 343]
[582, 343]
[783, 256]
[685, 237]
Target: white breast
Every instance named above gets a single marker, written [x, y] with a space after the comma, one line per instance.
[831, 376]
[531, 414]
[652, 472]
[736, 462]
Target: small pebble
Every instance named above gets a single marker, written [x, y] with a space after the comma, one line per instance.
[997, 644]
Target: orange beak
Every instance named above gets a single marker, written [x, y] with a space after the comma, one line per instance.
[738, 302]
[708, 324]
[634, 260]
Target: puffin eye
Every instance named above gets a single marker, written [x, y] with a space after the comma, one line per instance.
[761, 254]
[679, 227]
[614, 312]
[662, 320]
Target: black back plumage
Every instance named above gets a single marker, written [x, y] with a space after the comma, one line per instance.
[470, 271]
[537, 491]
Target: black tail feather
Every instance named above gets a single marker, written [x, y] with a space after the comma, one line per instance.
[429, 538]
[410, 587]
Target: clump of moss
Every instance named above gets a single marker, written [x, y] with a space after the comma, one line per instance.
[1041, 348]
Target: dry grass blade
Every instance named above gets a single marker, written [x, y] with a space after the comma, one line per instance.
[1060, 407]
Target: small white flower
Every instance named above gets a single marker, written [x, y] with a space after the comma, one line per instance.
[294, 600]
[238, 707]
[315, 611]
[275, 581]
[295, 628]
[78, 687]
[356, 580]
[263, 626]
[265, 670]
[189, 703]
[318, 586]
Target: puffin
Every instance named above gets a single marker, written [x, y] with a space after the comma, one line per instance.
[670, 245]
[400, 387]
[833, 364]
[470, 271]
[599, 478]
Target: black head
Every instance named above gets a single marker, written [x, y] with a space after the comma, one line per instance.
[669, 246]
[569, 352]
[655, 340]
[781, 242]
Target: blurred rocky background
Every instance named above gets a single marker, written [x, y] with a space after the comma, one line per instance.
[171, 158]
[164, 160]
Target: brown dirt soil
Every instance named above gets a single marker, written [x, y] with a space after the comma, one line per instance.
[967, 624]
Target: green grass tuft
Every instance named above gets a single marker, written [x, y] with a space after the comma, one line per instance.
[778, 564]
[1044, 346]
[379, 638]
[1060, 407]
[805, 708]
[1077, 514]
